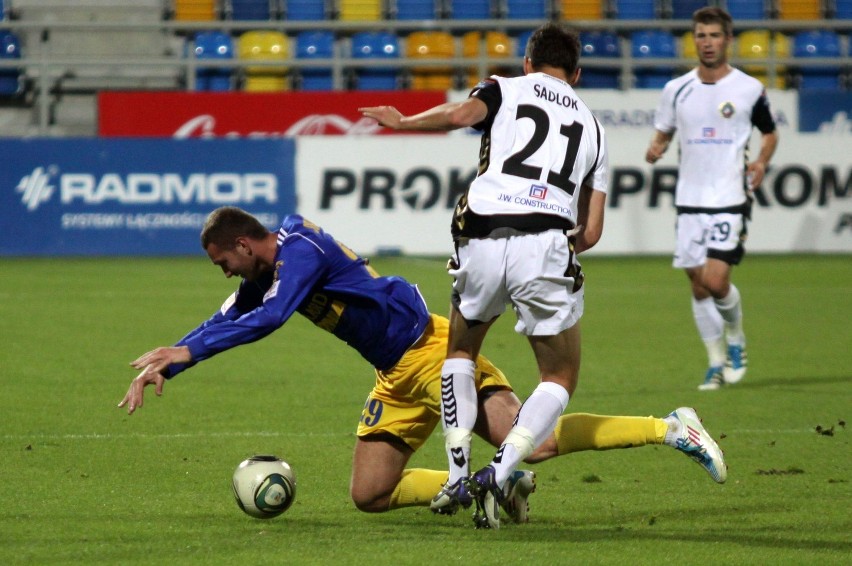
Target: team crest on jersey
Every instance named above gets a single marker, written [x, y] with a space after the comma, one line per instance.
[726, 109]
[278, 265]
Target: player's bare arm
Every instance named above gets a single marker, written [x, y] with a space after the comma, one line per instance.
[659, 145]
[444, 117]
[757, 169]
[590, 218]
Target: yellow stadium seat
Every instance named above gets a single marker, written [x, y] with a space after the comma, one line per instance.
[264, 46]
[497, 44]
[360, 10]
[799, 9]
[755, 45]
[581, 9]
[195, 10]
[431, 45]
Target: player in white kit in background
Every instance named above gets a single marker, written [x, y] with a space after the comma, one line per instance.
[714, 108]
[536, 203]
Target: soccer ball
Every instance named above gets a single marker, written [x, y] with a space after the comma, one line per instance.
[264, 486]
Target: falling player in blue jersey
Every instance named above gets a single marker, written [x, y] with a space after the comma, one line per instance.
[300, 268]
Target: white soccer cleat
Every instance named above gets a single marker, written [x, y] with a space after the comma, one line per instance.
[696, 442]
[518, 488]
[713, 379]
[735, 365]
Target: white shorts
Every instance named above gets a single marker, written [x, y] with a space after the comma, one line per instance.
[700, 236]
[528, 271]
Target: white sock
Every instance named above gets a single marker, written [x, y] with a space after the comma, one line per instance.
[731, 310]
[536, 421]
[458, 414]
[711, 328]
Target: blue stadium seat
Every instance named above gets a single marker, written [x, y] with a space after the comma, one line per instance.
[521, 43]
[252, 10]
[304, 10]
[470, 9]
[746, 9]
[10, 79]
[683, 9]
[818, 43]
[416, 10]
[375, 45]
[213, 45]
[843, 9]
[599, 44]
[315, 45]
[635, 9]
[653, 44]
[526, 9]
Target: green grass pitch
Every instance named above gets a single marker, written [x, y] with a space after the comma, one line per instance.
[83, 483]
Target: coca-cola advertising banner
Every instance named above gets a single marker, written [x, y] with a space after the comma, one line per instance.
[249, 115]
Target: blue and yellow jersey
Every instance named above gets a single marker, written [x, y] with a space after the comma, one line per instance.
[381, 317]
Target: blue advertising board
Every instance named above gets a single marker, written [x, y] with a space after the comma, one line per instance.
[825, 111]
[134, 196]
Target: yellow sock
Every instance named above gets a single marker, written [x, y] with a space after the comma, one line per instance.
[417, 487]
[576, 432]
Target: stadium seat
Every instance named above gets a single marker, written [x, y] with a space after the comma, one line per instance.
[252, 10]
[652, 44]
[213, 45]
[315, 45]
[754, 47]
[430, 45]
[599, 44]
[571, 10]
[746, 9]
[636, 9]
[360, 10]
[10, 79]
[843, 9]
[683, 9]
[817, 43]
[3, 14]
[195, 10]
[304, 10]
[527, 9]
[416, 9]
[264, 46]
[799, 9]
[375, 45]
[497, 45]
[470, 10]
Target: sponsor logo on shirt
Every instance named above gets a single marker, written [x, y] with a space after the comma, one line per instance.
[708, 132]
[538, 191]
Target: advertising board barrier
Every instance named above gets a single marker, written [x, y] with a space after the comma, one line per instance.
[134, 197]
[381, 194]
[249, 114]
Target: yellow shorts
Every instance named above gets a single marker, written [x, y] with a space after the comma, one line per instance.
[406, 401]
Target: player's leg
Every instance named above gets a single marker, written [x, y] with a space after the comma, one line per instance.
[693, 232]
[380, 481]
[727, 250]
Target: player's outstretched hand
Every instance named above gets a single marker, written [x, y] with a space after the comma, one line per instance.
[135, 394]
[387, 116]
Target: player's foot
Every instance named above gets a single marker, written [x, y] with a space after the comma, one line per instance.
[694, 441]
[519, 486]
[713, 380]
[488, 497]
[451, 497]
[735, 365]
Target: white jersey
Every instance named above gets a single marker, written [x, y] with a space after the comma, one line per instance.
[540, 145]
[714, 123]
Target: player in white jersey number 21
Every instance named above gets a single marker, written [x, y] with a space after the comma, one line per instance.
[537, 201]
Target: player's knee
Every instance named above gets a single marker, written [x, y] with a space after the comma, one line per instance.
[370, 502]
